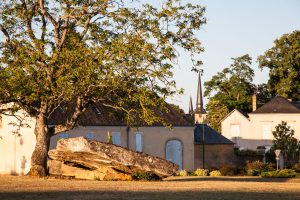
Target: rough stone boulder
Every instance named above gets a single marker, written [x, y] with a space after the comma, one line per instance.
[90, 159]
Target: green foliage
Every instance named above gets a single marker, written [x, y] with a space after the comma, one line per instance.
[215, 173]
[109, 138]
[285, 141]
[145, 176]
[217, 111]
[285, 173]
[95, 52]
[245, 152]
[228, 170]
[283, 62]
[182, 173]
[233, 86]
[255, 168]
[201, 172]
[296, 167]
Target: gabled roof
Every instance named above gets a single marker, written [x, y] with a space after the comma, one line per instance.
[239, 111]
[278, 105]
[210, 136]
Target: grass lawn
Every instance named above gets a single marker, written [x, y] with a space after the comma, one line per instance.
[239, 188]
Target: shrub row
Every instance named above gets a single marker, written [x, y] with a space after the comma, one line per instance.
[199, 172]
[285, 173]
[254, 168]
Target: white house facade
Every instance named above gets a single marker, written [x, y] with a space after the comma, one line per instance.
[249, 131]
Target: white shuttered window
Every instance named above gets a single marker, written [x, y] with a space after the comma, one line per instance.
[267, 131]
[139, 141]
[235, 130]
[116, 138]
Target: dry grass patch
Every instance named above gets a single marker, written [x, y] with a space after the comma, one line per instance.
[13, 187]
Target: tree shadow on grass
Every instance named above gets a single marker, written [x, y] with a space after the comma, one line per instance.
[154, 195]
[234, 179]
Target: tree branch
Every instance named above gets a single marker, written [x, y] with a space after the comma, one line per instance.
[81, 106]
[52, 20]
[28, 18]
[4, 31]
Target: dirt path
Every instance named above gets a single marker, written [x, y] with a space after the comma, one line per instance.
[23, 188]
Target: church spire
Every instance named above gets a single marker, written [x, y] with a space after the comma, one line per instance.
[199, 102]
[191, 109]
[200, 113]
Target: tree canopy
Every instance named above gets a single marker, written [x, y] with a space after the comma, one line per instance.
[233, 85]
[283, 61]
[74, 53]
[285, 141]
[229, 89]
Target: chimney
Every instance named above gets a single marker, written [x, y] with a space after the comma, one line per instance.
[254, 102]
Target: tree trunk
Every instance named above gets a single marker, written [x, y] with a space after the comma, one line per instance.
[40, 153]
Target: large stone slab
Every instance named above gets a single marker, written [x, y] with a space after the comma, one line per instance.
[111, 160]
[104, 173]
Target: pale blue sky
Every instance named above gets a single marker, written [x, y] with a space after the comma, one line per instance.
[235, 28]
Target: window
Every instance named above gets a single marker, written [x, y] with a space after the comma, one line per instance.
[116, 138]
[235, 130]
[64, 135]
[90, 136]
[174, 152]
[138, 141]
[267, 132]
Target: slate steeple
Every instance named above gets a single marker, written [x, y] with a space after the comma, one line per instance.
[200, 113]
[191, 109]
[199, 102]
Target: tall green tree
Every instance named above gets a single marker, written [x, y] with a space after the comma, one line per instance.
[285, 141]
[233, 86]
[73, 53]
[283, 62]
[217, 111]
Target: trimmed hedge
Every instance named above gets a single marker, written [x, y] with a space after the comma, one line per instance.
[285, 173]
[215, 173]
[201, 172]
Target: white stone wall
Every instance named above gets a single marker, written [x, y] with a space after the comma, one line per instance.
[16, 151]
[252, 129]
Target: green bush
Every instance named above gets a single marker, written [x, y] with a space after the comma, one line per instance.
[215, 173]
[182, 173]
[255, 168]
[201, 172]
[145, 176]
[246, 152]
[296, 167]
[228, 170]
[285, 173]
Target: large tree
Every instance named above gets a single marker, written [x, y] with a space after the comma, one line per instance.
[233, 86]
[74, 53]
[283, 61]
[216, 112]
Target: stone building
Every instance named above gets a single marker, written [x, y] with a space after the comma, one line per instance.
[182, 144]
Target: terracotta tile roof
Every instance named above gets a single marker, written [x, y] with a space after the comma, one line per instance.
[96, 115]
[278, 105]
